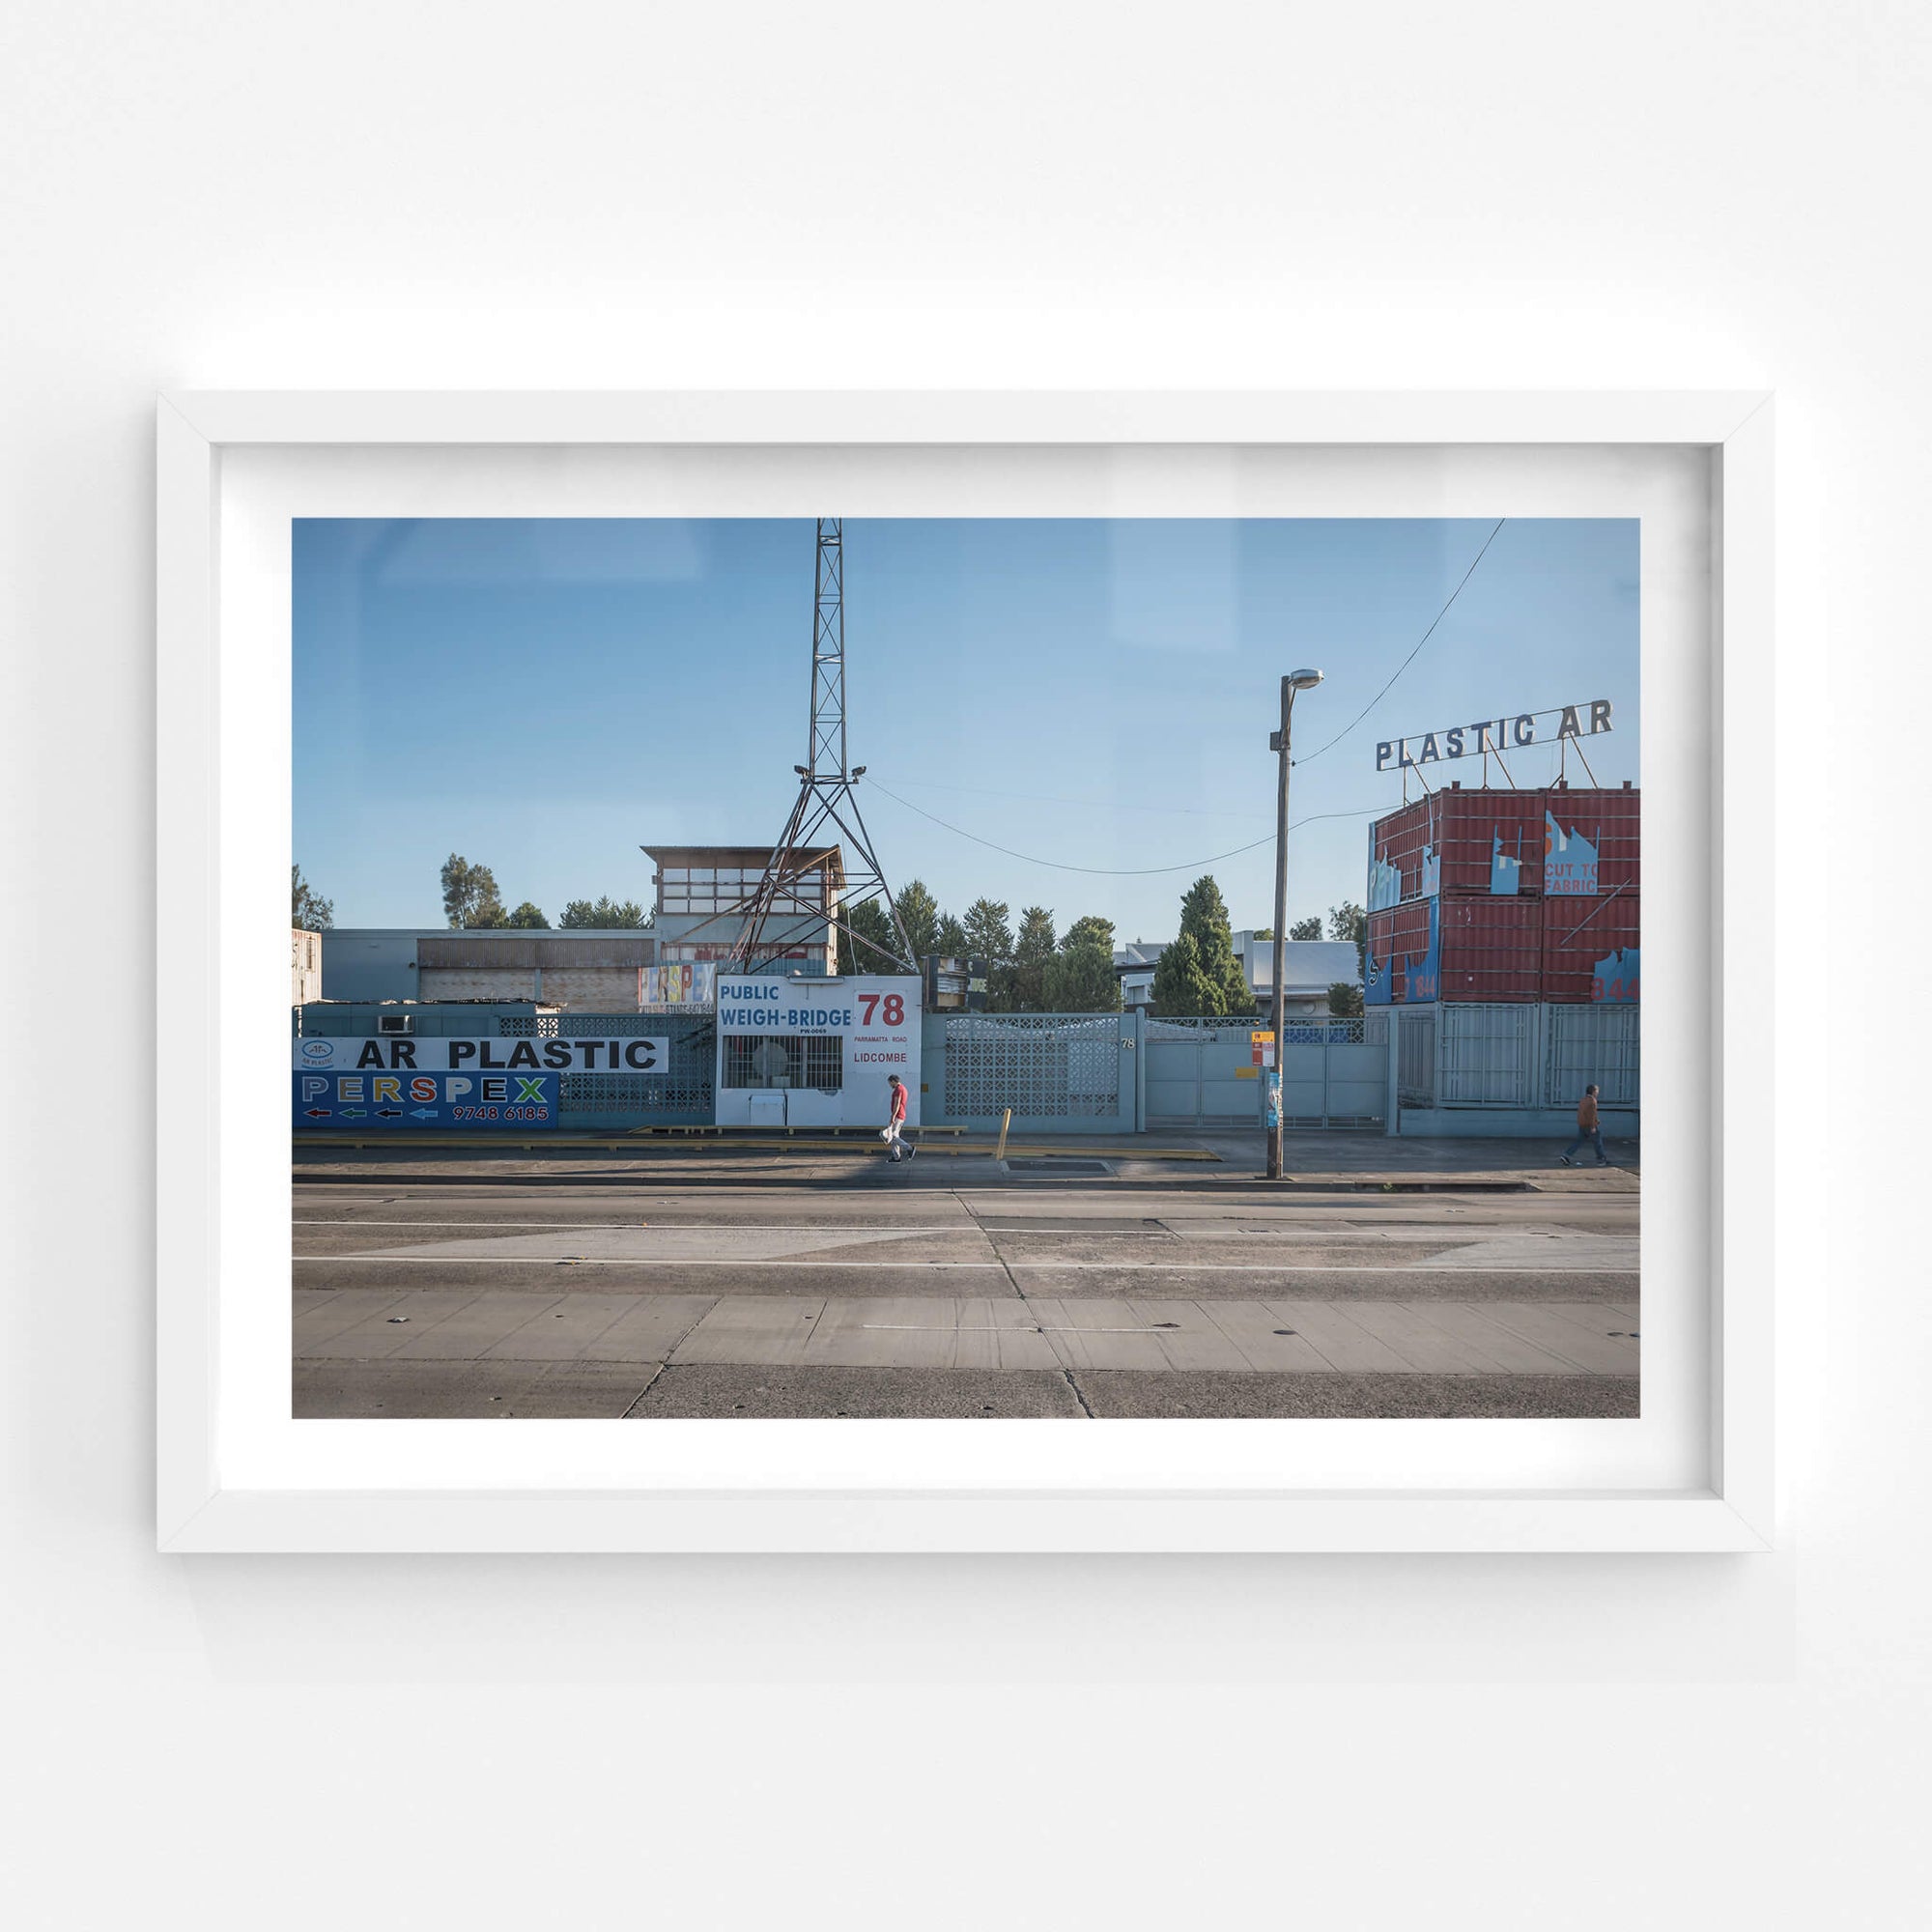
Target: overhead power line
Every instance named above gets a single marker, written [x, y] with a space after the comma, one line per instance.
[1092, 804]
[1308, 756]
[1117, 871]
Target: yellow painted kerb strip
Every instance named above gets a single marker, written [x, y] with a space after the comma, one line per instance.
[857, 1147]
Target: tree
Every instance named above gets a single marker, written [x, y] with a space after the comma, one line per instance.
[527, 915]
[1181, 985]
[918, 914]
[1204, 917]
[1089, 929]
[949, 940]
[308, 908]
[605, 913]
[1306, 929]
[989, 937]
[1345, 999]
[867, 918]
[988, 934]
[1080, 979]
[1349, 921]
[470, 896]
[1032, 951]
[1264, 932]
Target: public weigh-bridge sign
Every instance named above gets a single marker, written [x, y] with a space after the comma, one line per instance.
[1494, 734]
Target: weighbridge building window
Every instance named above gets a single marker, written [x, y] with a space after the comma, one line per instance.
[785, 1059]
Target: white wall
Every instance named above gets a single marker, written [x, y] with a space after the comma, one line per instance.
[594, 194]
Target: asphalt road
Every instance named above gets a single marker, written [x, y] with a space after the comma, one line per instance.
[472, 1289]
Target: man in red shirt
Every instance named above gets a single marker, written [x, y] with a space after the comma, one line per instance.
[895, 1126]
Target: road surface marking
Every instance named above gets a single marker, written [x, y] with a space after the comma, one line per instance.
[481, 1228]
[1033, 1328]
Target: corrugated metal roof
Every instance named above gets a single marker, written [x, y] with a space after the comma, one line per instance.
[745, 856]
[494, 935]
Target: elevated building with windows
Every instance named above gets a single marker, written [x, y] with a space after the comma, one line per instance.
[701, 891]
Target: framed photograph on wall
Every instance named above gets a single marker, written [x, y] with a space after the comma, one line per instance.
[943, 972]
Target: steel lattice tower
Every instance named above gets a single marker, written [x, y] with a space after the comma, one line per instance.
[793, 888]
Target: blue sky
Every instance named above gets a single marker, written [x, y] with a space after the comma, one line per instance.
[544, 697]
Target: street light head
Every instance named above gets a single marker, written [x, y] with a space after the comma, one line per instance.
[1304, 680]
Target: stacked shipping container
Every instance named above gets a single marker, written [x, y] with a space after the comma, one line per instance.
[1506, 895]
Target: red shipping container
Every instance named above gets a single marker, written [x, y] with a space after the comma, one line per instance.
[1581, 936]
[1609, 826]
[1491, 948]
[1473, 828]
[1483, 949]
[1452, 840]
[1403, 930]
[1397, 937]
[1396, 843]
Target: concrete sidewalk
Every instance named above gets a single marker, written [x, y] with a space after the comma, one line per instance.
[1051, 1332]
[1211, 1162]
[1383, 1160]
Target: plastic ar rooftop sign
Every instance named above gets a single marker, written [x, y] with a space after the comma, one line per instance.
[1494, 734]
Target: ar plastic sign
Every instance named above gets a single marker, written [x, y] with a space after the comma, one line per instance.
[410, 1054]
[388, 1102]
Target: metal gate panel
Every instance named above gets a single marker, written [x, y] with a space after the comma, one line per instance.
[1356, 1083]
[1332, 1076]
[1416, 1059]
[1488, 1055]
[1200, 1073]
[1305, 1084]
[1597, 1043]
[1173, 1072]
[1173, 1080]
[679, 1096]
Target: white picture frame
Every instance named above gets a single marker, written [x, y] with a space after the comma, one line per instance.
[208, 710]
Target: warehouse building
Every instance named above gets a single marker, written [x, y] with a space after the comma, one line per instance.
[695, 923]
[1504, 944]
[595, 970]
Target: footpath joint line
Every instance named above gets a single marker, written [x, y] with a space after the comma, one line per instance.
[1028, 1267]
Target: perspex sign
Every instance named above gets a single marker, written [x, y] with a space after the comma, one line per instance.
[816, 1052]
[339, 1102]
[399, 1083]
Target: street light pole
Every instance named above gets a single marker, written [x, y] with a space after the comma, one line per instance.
[1278, 742]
